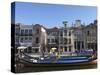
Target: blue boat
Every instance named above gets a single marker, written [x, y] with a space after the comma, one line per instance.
[66, 59]
[54, 59]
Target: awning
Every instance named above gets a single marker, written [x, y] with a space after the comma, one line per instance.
[53, 49]
[21, 47]
[26, 44]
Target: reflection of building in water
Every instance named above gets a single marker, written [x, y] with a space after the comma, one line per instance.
[65, 39]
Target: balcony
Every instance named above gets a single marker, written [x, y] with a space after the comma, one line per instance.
[25, 34]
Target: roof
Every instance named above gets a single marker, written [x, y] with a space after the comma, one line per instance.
[38, 25]
[55, 29]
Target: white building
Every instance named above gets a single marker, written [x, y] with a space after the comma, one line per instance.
[26, 35]
[85, 37]
[79, 39]
[23, 34]
[39, 40]
[91, 36]
[66, 40]
[52, 38]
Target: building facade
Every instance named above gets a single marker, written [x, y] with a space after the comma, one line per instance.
[23, 34]
[39, 42]
[65, 39]
[79, 38]
[91, 35]
[85, 36]
[53, 38]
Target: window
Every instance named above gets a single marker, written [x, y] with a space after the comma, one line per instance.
[61, 40]
[22, 32]
[69, 41]
[65, 49]
[26, 38]
[65, 32]
[55, 33]
[29, 49]
[65, 41]
[30, 32]
[17, 31]
[61, 48]
[48, 40]
[26, 31]
[22, 39]
[75, 44]
[37, 40]
[82, 44]
[88, 33]
[69, 33]
[30, 38]
[61, 33]
[56, 41]
[52, 40]
[17, 39]
[35, 50]
[69, 48]
[37, 31]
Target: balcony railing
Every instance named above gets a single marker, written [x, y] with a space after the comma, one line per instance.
[25, 34]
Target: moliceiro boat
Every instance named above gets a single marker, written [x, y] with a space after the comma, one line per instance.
[56, 60]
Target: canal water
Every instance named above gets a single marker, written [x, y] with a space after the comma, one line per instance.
[41, 68]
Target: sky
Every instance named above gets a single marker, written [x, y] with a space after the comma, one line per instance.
[51, 15]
